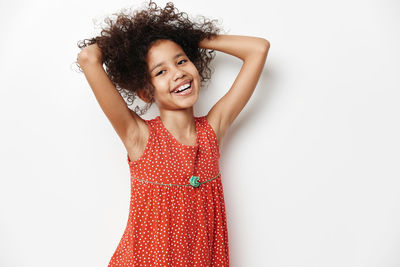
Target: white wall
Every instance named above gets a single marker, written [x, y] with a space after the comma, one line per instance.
[310, 166]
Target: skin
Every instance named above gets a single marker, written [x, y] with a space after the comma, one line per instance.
[176, 112]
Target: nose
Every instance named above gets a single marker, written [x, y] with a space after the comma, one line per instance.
[179, 74]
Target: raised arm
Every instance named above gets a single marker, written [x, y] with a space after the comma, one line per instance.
[125, 122]
[253, 51]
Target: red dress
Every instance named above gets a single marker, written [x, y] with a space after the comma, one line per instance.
[177, 210]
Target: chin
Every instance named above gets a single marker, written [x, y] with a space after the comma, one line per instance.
[190, 101]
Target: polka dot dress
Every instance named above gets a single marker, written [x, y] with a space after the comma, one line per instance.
[177, 210]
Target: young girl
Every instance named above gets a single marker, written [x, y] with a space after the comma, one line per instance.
[177, 209]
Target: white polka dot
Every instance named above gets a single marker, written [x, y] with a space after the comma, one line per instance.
[178, 224]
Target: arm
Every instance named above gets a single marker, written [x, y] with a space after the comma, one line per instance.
[253, 51]
[124, 121]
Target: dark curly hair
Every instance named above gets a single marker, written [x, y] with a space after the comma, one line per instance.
[125, 42]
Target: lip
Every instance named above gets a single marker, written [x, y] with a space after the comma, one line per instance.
[179, 85]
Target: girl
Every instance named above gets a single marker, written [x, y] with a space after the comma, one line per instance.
[177, 210]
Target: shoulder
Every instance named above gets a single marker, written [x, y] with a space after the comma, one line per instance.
[214, 123]
[139, 133]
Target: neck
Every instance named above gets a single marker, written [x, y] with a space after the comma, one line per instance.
[179, 122]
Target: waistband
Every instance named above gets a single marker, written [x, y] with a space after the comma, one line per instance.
[193, 181]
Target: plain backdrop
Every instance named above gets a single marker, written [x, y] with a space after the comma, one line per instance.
[310, 166]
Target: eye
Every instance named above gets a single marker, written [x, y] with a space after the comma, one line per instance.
[159, 72]
[182, 60]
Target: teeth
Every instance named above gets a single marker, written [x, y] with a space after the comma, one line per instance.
[183, 87]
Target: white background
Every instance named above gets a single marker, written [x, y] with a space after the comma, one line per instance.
[310, 167]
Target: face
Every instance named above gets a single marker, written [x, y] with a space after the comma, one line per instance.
[170, 69]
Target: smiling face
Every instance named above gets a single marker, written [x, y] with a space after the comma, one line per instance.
[170, 69]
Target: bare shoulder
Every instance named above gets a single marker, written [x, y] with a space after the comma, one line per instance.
[215, 123]
[136, 140]
[137, 129]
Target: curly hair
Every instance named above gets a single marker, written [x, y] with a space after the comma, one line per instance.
[124, 44]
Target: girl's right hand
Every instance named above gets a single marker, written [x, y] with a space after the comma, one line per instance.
[90, 53]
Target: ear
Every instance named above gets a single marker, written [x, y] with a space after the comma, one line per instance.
[144, 95]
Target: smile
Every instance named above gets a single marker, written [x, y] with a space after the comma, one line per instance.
[185, 89]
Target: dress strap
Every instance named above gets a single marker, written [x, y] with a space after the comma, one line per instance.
[149, 140]
[212, 136]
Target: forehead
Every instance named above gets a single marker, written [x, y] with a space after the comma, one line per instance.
[162, 50]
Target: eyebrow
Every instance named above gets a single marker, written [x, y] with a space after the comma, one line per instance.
[161, 63]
